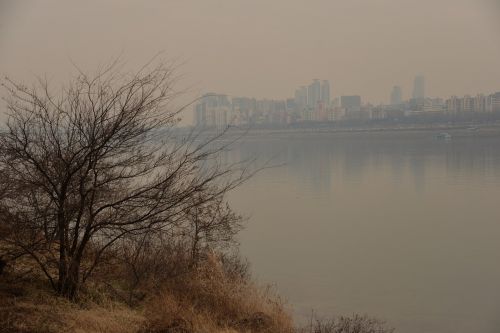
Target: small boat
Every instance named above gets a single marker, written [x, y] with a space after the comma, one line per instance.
[443, 136]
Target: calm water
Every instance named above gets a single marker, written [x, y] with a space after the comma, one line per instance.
[405, 228]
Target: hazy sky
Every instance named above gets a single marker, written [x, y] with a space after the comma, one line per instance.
[266, 48]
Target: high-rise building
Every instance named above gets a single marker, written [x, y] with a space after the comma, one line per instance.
[301, 98]
[479, 103]
[290, 104]
[313, 94]
[212, 111]
[396, 95]
[419, 87]
[200, 115]
[325, 92]
[434, 105]
[350, 103]
[242, 110]
[467, 104]
[336, 102]
[453, 104]
[494, 102]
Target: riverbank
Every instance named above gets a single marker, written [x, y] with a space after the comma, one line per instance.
[410, 132]
[208, 299]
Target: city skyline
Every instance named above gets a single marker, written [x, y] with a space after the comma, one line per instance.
[309, 105]
[416, 90]
[293, 42]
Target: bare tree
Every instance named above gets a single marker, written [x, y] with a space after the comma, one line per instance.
[141, 264]
[97, 162]
[144, 262]
[210, 225]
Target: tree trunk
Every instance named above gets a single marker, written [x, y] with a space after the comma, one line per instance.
[63, 266]
[3, 263]
[71, 283]
[63, 255]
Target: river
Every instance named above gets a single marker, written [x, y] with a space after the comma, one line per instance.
[404, 227]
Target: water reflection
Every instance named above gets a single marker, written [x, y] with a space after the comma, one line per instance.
[403, 228]
[317, 161]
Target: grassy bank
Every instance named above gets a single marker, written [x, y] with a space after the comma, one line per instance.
[213, 297]
[208, 298]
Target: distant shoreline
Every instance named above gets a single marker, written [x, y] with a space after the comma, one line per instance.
[456, 131]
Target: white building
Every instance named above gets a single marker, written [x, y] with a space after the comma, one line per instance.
[212, 111]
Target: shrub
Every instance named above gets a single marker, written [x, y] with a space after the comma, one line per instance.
[209, 299]
[343, 324]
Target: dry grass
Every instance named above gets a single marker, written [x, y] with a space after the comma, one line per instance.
[346, 324]
[214, 297]
[28, 306]
[209, 300]
[105, 320]
[217, 295]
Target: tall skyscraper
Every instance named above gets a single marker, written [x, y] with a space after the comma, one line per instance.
[396, 95]
[301, 97]
[419, 87]
[325, 92]
[313, 93]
